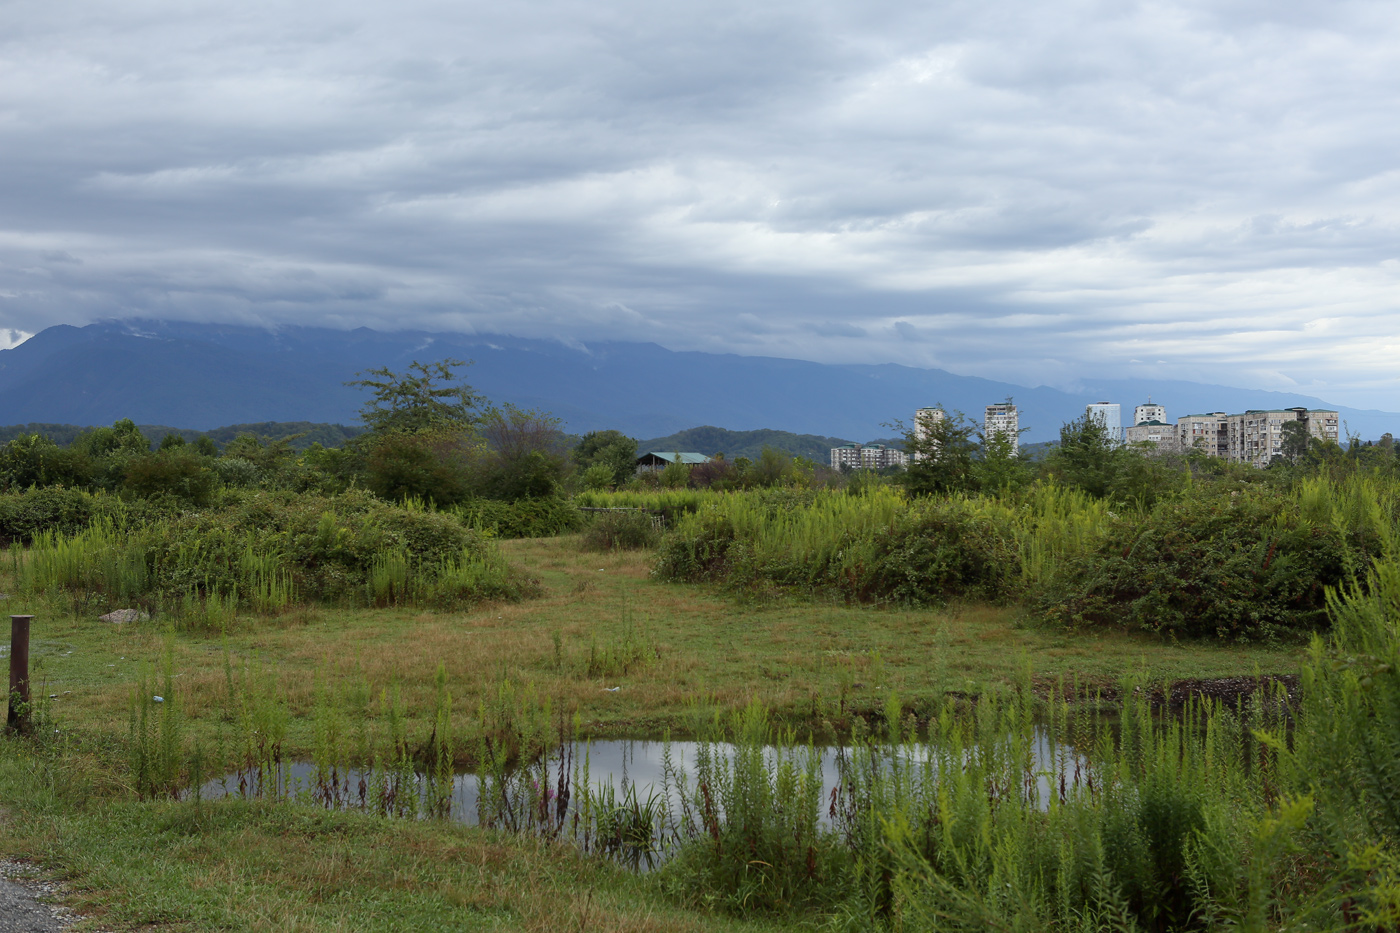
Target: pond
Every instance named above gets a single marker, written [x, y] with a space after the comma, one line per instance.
[638, 798]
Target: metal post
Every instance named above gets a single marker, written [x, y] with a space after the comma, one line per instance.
[19, 674]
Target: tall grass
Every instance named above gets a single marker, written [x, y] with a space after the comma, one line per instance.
[202, 568]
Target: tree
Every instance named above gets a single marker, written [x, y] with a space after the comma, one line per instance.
[524, 456]
[1295, 440]
[422, 399]
[35, 460]
[941, 454]
[610, 449]
[1000, 467]
[1086, 456]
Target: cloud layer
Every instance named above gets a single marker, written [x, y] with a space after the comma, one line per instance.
[1029, 191]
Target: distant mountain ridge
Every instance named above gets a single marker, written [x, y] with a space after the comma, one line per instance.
[302, 433]
[205, 375]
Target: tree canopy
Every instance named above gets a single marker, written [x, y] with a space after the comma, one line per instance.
[425, 398]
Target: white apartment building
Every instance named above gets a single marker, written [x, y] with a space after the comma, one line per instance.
[1110, 415]
[1150, 412]
[1150, 426]
[1003, 419]
[866, 457]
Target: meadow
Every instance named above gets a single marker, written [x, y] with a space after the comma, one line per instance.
[946, 642]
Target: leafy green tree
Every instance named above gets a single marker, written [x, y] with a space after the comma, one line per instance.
[171, 442]
[942, 455]
[611, 449]
[425, 398]
[1087, 456]
[204, 446]
[122, 437]
[1000, 467]
[1295, 440]
[524, 455]
[178, 472]
[35, 460]
[404, 466]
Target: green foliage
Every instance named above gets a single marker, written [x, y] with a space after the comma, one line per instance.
[621, 531]
[23, 515]
[1088, 458]
[426, 466]
[174, 470]
[1243, 565]
[942, 455]
[34, 460]
[268, 551]
[523, 518]
[422, 399]
[611, 453]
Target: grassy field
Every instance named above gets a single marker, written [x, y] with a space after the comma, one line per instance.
[674, 652]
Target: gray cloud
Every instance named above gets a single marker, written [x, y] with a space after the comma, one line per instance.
[1029, 191]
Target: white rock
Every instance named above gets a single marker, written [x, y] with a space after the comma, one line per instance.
[124, 615]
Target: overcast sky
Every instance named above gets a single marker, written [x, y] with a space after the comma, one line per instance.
[1033, 191]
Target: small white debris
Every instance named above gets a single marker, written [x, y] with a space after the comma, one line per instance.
[158, 699]
[53, 696]
[611, 689]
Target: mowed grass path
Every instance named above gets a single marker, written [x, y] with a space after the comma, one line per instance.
[673, 652]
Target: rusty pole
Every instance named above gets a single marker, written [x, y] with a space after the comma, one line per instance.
[19, 674]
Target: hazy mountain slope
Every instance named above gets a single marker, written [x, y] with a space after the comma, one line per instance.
[201, 376]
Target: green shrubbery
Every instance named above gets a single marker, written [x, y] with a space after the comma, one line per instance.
[521, 518]
[267, 551]
[621, 531]
[1228, 560]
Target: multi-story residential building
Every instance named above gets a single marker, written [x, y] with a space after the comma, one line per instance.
[1150, 412]
[1002, 419]
[924, 421]
[1254, 437]
[1110, 415]
[1158, 433]
[866, 457]
[1208, 433]
[1150, 426]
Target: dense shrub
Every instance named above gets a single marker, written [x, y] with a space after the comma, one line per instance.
[937, 552]
[1237, 566]
[628, 531]
[65, 511]
[522, 518]
[874, 547]
[271, 550]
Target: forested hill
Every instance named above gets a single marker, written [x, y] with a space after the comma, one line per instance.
[327, 435]
[710, 440]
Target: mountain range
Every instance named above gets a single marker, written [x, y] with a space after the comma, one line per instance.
[200, 376]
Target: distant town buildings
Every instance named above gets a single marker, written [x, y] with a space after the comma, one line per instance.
[1254, 437]
[866, 457]
[1002, 420]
